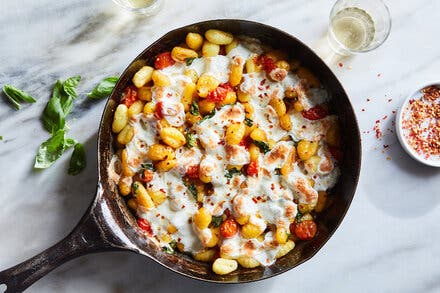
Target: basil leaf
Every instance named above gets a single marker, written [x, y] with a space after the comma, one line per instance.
[78, 160]
[148, 166]
[1, 137]
[50, 150]
[231, 172]
[298, 217]
[194, 110]
[60, 104]
[189, 61]
[264, 146]
[248, 122]
[208, 116]
[171, 247]
[190, 140]
[191, 189]
[15, 96]
[216, 221]
[104, 88]
[70, 85]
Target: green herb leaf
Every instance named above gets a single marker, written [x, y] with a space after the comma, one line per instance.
[194, 110]
[104, 88]
[264, 146]
[216, 221]
[277, 171]
[70, 85]
[191, 189]
[15, 96]
[208, 116]
[50, 150]
[248, 122]
[78, 160]
[231, 172]
[1, 137]
[298, 217]
[148, 166]
[170, 248]
[190, 140]
[60, 104]
[189, 61]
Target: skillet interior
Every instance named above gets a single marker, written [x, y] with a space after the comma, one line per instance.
[329, 220]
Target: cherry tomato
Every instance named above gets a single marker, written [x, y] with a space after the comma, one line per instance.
[336, 153]
[144, 225]
[246, 141]
[315, 113]
[130, 96]
[193, 172]
[228, 228]
[147, 175]
[219, 94]
[163, 60]
[305, 230]
[252, 168]
[267, 63]
[159, 113]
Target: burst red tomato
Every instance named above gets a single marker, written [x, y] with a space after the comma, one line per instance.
[193, 172]
[130, 96]
[163, 60]
[159, 108]
[305, 230]
[228, 228]
[252, 168]
[315, 113]
[219, 94]
[144, 225]
[246, 141]
[267, 63]
[147, 175]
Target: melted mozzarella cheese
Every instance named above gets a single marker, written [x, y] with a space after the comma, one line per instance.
[312, 130]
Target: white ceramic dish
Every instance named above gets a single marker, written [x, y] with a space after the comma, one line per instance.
[414, 95]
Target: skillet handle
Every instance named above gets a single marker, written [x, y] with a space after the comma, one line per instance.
[84, 239]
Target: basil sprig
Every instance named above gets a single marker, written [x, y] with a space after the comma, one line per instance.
[16, 96]
[78, 160]
[104, 88]
[50, 150]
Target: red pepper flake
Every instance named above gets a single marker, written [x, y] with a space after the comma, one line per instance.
[363, 110]
[384, 117]
[272, 186]
[379, 74]
[422, 123]
[394, 112]
[157, 215]
[385, 146]
[340, 64]
[263, 82]
[368, 99]
[183, 206]
[376, 128]
[389, 100]
[254, 200]
[163, 190]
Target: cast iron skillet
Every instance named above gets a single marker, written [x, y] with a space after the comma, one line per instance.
[109, 226]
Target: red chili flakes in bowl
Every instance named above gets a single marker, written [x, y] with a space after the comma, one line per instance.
[421, 122]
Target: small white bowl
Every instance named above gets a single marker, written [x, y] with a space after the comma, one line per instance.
[399, 129]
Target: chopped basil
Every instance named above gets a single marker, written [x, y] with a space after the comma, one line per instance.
[264, 146]
[189, 61]
[208, 116]
[104, 88]
[170, 248]
[216, 221]
[50, 150]
[60, 104]
[277, 171]
[192, 189]
[298, 217]
[78, 160]
[1, 137]
[15, 96]
[135, 187]
[232, 172]
[248, 122]
[190, 140]
[194, 110]
[148, 166]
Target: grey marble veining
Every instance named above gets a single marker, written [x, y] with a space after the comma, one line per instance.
[389, 239]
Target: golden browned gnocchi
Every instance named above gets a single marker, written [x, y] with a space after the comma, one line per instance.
[228, 151]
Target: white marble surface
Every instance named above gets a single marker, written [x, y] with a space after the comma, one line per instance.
[389, 239]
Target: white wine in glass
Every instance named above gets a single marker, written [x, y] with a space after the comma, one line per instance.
[358, 26]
